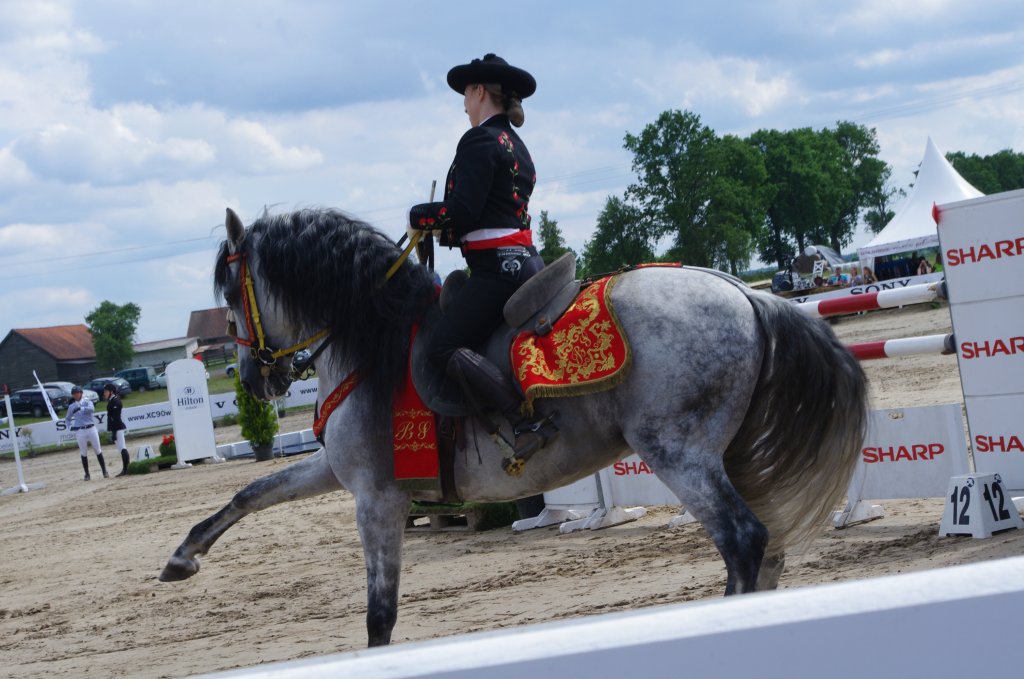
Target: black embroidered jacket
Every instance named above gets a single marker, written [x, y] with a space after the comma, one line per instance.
[114, 407]
[488, 186]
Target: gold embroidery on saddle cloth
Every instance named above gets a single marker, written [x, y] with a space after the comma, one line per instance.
[586, 351]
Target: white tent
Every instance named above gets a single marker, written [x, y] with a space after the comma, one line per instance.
[913, 227]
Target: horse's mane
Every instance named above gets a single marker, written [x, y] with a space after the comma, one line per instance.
[327, 270]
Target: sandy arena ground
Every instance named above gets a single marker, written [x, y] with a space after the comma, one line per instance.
[79, 594]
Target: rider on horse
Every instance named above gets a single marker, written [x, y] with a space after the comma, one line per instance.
[484, 213]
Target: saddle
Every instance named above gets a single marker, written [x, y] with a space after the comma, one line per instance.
[534, 307]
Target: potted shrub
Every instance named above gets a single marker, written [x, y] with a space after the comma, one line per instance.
[168, 448]
[258, 422]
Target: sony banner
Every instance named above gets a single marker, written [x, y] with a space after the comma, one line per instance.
[983, 250]
[890, 284]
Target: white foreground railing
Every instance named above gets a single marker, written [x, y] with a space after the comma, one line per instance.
[956, 621]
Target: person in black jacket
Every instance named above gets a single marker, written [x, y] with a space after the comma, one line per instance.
[115, 425]
[485, 214]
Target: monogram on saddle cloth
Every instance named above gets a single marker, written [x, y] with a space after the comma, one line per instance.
[583, 352]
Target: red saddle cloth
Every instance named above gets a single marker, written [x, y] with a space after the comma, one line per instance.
[414, 430]
[585, 352]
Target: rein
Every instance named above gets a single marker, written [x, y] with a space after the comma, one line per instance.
[257, 340]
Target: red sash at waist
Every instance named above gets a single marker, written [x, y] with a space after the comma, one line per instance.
[523, 238]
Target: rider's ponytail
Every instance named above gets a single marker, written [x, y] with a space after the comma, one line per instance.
[510, 102]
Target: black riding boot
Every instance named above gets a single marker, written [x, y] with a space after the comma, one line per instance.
[103, 465]
[85, 466]
[124, 462]
[491, 389]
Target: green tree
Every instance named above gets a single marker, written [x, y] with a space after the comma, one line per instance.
[673, 161]
[859, 181]
[798, 208]
[620, 240]
[737, 199]
[256, 420]
[880, 201]
[1002, 171]
[552, 243]
[776, 243]
[113, 329]
[822, 183]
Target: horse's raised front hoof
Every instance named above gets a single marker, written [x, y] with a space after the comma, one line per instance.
[178, 568]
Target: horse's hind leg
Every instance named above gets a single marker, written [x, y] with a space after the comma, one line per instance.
[699, 481]
[306, 478]
[739, 536]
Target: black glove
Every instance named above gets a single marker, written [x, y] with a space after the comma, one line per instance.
[428, 216]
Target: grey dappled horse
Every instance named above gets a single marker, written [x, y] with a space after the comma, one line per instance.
[750, 412]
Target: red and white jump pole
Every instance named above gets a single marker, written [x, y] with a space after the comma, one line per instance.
[871, 301]
[908, 346]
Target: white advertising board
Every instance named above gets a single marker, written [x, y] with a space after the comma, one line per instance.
[983, 252]
[907, 453]
[990, 345]
[299, 394]
[137, 418]
[910, 453]
[631, 482]
[190, 410]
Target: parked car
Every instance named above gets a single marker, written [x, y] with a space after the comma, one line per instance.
[66, 388]
[123, 388]
[140, 379]
[161, 379]
[30, 402]
[231, 369]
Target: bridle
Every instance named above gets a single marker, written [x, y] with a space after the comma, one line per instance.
[256, 339]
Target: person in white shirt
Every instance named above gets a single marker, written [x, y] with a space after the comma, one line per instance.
[79, 420]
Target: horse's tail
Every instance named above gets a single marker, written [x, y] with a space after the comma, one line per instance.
[793, 456]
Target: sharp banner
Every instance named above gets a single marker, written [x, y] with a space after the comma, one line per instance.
[983, 250]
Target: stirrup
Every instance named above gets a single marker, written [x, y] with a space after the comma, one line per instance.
[531, 436]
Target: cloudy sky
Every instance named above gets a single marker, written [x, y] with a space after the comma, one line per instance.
[126, 126]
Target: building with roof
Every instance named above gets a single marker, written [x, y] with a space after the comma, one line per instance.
[161, 352]
[210, 327]
[60, 352]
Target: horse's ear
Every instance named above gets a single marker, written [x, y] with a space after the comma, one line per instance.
[235, 229]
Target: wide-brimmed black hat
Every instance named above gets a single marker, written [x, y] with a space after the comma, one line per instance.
[492, 69]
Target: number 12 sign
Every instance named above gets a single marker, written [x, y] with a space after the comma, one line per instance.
[978, 505]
